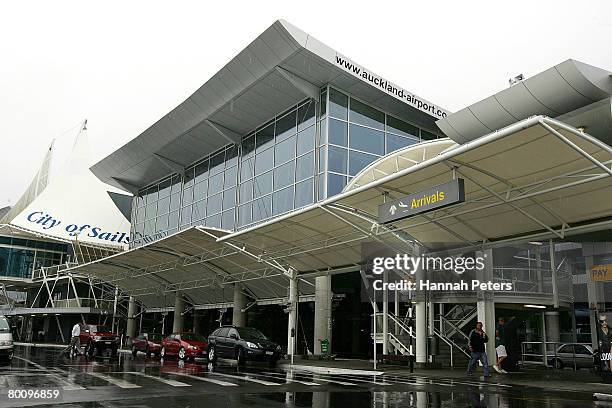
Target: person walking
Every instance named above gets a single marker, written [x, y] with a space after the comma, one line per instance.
[500, 346]
[477, 340]
[75, 340]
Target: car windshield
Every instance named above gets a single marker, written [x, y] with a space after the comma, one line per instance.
[193, 337]
[4, 325]
[99, 329]
[154, 337]
[250, 333]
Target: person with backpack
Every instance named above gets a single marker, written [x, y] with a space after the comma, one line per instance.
[477, 340]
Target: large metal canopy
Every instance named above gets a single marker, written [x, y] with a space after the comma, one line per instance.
[280, 68]
[536, 179]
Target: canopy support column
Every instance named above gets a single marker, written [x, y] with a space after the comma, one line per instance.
[238, 314]
[179, 306]
[292, 322]
[322, 312]
[131, 322]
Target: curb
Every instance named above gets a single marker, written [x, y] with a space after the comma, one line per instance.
[55, 346]
[328, 370]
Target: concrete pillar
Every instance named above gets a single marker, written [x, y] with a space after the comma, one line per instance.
[322, 312]
[292, 321]
[179, 307]
[131, 321]
[238, 316]
[385, 322]
[552, 326]
[485, 305]
[593, 293]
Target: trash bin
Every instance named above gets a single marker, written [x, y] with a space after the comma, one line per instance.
[433, 346]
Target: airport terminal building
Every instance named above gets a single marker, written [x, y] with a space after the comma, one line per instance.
[262, 193]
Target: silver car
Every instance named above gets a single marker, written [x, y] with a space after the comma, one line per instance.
[573, 355]
[6, 339]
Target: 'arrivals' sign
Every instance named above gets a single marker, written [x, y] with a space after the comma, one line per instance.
[433, 198]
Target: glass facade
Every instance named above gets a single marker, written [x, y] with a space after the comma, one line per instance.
[353, 135]
[19, 257]
[303, 155]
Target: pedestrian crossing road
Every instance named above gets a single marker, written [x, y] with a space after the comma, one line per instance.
[142, 382]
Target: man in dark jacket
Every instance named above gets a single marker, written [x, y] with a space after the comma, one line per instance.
[477, 341]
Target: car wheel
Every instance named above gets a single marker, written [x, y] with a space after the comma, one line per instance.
[240, 357]
[212, 354]
[90, 350]
[557, 363]
[113, 353]
[182, 354]
[162, 353]
[134, 351]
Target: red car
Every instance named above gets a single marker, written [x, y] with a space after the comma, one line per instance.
[184, 345]
[148, 344]
[97, 338]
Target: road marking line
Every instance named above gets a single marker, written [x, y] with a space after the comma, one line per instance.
[289, 380]
[237, 377]
[31, 362]
[349, 377]
[115, 381]
[210, 380]
[319, 377]
[173, 383]
[71, 385]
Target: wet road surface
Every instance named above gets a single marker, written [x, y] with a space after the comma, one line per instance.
[148, 382]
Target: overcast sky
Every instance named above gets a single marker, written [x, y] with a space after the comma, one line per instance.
[123, 65]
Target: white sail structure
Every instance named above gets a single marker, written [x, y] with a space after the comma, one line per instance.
[76, 205]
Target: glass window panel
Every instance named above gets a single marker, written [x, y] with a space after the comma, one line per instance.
[262, 184]
[425, 135]
[215, 184]
[264, 161]
[246, 191]
[151, 195]
[229, 198]
[231, 156]
[286, 126]
[395, 142]
[199, 210]
[216, 163]
[151, 211]
[173, 218]
[358, 161]
[282, 201]
[304, 193]
[322, 157]
[244, 214]
[367, 140]
[304, 167]
[246, 168]
[164, 188]
[306, 114]
[189, 176]
[175, 202]
[162, 223]
[265, 137]
[230, 176]
[214, 204]
[176, 184]
[323, 131]
[323, 103]
[338, 160]
[214, 221]
[321, 183]
[338, 133]
[248, 146]
[338, 104]
[200, 190]
[335, 184]
[201, 171]
[401, 128]
[163, 205]
[284, 175]
[140, 199]
[187, 196]
[366, 115]
[262, 208]
[306, 140]
[227, 220]
[284, 150]
[186, 216]
[140, 215]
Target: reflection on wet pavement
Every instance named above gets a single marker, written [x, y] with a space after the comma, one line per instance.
[150, 382]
